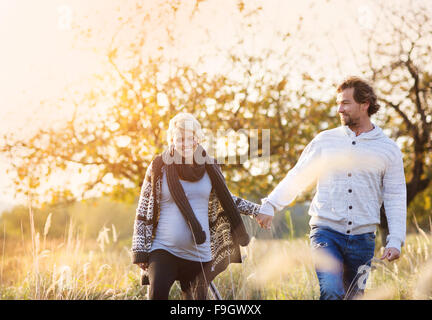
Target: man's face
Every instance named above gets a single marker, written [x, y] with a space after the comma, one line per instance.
[349, 110]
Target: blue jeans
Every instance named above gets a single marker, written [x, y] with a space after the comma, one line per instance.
[342, 262]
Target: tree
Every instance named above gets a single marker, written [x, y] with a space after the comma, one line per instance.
[401, 70]
[118, 127]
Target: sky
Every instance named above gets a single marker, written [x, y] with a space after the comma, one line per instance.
[42, 57]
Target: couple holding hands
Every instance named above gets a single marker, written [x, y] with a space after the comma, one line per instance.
[188, 225]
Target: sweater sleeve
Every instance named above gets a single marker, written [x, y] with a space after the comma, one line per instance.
[298, 179]
[139, 232]
[246, 207]
[395, 202]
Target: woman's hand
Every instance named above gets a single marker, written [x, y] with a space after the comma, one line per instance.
[264, 220]
[143, 265]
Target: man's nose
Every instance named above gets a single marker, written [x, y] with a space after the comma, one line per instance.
[340, 109]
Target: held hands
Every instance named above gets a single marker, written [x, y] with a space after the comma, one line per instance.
[143, 265]
[390, 254]
[264, 220]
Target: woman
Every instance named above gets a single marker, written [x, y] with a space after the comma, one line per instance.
[187, 225]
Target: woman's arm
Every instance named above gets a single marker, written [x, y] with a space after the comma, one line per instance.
[246, 207]
[139, 233]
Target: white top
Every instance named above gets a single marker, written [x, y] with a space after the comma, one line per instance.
[353, 176]
[172, 233]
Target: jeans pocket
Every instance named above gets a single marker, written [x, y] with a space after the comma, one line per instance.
[371, 237]
[317, 240]
[319, 244]
[314, 231]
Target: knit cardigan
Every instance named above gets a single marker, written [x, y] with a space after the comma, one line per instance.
[224, 249]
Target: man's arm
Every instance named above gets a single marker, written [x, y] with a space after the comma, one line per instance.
[395, 203]
[298, 179]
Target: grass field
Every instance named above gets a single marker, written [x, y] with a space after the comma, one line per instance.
[79, 268]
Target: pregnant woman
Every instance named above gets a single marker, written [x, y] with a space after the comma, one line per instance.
[187, 225]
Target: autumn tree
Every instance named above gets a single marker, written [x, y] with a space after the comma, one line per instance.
[398, 60]
[118, 127]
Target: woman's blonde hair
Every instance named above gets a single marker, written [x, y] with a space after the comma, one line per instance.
[184, 121]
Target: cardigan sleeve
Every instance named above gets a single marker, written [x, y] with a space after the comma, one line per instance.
[145, 203]
[246, 207]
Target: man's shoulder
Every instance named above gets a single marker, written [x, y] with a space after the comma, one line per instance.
[329, 134]
[391, 145]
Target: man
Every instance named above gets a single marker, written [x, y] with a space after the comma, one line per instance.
[355, 168]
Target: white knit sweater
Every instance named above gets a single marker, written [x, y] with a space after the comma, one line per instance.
[353, 176]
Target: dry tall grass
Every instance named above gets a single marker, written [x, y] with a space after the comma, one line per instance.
[78, 268]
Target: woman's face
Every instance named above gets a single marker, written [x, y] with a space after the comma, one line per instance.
[185, 143]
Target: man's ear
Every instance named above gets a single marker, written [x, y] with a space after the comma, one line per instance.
[365, 106]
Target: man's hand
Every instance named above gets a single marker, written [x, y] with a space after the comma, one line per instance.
[143, 265]
[390, 254]
[264, 220]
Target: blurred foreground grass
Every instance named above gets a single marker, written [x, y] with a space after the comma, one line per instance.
[78, 268]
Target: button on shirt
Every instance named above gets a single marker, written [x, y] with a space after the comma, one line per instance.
[353, 176]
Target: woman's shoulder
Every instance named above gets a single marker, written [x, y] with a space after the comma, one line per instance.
[155, 166]
[157, 162]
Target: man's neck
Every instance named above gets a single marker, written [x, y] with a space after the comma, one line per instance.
[362, 127]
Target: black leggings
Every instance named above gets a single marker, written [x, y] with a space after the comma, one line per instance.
[165, 268]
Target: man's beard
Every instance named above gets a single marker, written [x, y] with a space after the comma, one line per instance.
[347, 120]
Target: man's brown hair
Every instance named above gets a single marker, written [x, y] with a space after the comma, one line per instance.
[363, 92]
